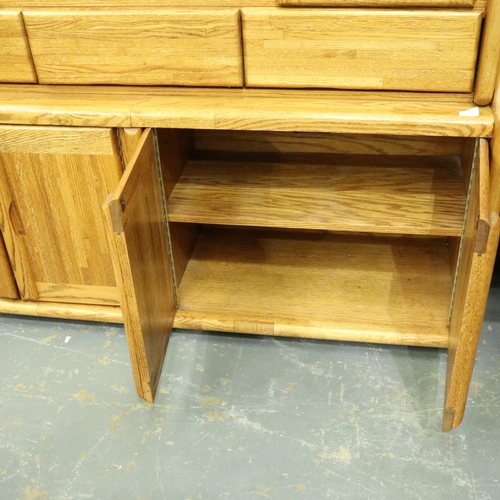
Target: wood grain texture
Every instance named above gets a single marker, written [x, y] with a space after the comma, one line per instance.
[175, 147]
[129, 140]
[483, 221]
[277, 144]
[122, 202]
[159, 47]
[53, 222]
[144, 3]
[464, 333]
[15, 56]
[376, 3]
[361, 49]
[277, 283]
[80, 312]
[12, 230]
[462, 306]
[313, 111]
[142, 266]
[495, 156]
[58, 140]
[489, 57]
[8, 288]
[74, 294]
[398, 113]
[372, 193]
[183, 238]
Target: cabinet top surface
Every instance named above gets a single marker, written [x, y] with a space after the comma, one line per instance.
[399, 113]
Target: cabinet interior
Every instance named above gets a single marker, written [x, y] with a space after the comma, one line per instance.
[345, 237]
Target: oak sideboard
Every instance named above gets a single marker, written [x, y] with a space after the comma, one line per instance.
[325, 169]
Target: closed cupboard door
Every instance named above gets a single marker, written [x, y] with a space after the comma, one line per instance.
[53, 181]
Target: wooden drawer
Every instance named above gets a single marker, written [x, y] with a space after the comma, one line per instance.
[161, 47]
[361, 49]
[377, 3]
[15, 59]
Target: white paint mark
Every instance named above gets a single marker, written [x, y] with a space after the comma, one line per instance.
[470, 112]
[67, 339]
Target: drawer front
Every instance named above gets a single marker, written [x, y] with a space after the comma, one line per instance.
[163, 47]
[361, 49]
[377, 3]
[15, 59]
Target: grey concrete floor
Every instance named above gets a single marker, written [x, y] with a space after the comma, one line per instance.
[240, 417]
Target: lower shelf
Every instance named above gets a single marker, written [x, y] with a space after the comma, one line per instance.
[318, 285]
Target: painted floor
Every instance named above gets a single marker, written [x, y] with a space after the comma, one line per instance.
[240, 417]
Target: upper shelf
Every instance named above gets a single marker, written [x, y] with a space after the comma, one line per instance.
[398, 113]
[361, 193]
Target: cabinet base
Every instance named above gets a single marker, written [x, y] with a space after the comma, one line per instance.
[106, 314]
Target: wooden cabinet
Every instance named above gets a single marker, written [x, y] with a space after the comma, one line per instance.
[53, 181]
[364, 214]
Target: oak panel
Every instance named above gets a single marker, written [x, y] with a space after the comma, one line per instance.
[82, 312]
[15, 57]
[138, 239]
[8, 287]
[51, 207]
[488, 66]
[398, 113]
[128, 47]
[361, 49]
[144, 3]
[377, 3]
[379, 289]
[280, 144]
[373, 193]
[476, 262]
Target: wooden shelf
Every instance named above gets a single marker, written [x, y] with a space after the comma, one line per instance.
[336, 111]
[318, 285]
[362, 193]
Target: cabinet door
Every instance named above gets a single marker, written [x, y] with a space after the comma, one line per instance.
[53, 181]
[8, 288]
[478, 251]
[138, 238]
